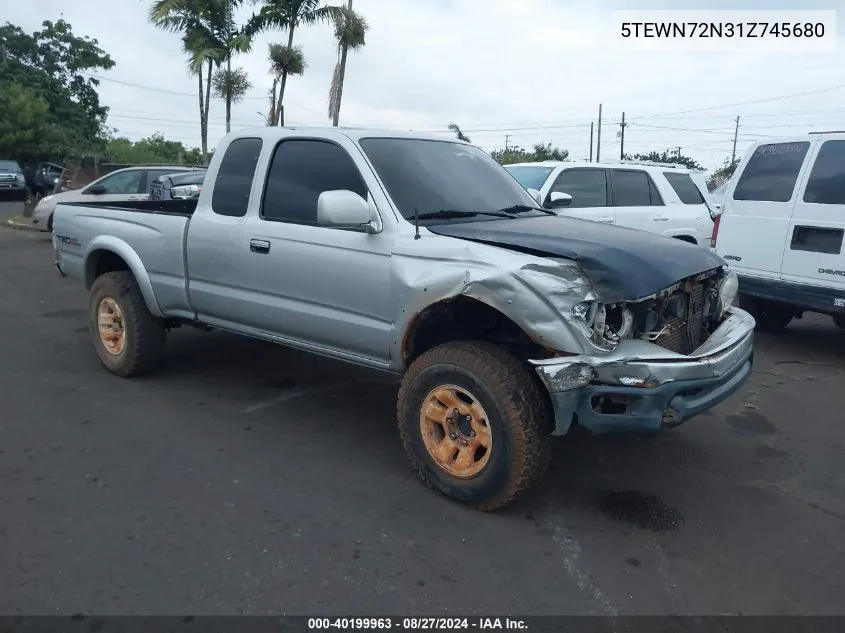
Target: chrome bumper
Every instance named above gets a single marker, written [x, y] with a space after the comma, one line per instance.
[653, 387]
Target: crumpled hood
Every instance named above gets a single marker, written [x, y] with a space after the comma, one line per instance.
[621, 263]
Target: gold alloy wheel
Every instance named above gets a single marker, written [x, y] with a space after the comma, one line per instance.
[456, 431]
[110, 325]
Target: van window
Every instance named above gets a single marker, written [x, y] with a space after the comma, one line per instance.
[827, 180]
[684, 187]
[771, 172]
[234, 177]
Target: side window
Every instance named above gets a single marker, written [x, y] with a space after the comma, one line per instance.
[827, 180]
[684, 187]
[300, 171]
[234, 177]
[588, 187]
[632, 188]
[771, 172]
[124, 182]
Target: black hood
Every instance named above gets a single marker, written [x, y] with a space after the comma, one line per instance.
[622, 264]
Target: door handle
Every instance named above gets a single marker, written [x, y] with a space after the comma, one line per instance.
[660, 218]
[607, 218]
[259, 246]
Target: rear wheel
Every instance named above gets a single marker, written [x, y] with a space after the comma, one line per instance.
[474, 423]
[128, 339]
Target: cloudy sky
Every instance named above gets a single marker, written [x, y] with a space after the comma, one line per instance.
[523, 70]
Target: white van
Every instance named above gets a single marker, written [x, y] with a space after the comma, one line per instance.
[655, 197]
[781, 228]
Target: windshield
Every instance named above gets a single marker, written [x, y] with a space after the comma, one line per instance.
[431, 176]
[9, 165]
[530, 177]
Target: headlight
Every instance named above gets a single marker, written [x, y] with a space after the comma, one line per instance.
[728, 290]
[21, 179]
[186, 191]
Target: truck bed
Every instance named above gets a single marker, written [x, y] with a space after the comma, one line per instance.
[148, 235]
[171, 207]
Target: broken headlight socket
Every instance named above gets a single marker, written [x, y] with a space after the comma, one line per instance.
[728, 288]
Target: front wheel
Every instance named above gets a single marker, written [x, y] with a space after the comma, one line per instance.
[128, 339]
[474, 423]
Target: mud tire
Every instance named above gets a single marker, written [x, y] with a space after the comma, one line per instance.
[144, 349]
[518, 415]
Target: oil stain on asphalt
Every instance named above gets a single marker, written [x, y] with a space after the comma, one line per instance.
[642, 509]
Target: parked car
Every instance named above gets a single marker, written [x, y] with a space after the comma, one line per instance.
[131, 183]
[782, 228]
[658, 198]
[178, 186]
[12, 182]
[45, 179]
[421, 257]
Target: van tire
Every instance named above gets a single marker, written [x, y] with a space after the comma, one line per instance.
[142, 351]
[771, 316]
[516, 422]
[839, 319]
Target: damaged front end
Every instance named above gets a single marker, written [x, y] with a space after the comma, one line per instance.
[666, 357]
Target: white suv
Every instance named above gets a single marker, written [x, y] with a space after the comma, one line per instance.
[658, 198]
[782, 225]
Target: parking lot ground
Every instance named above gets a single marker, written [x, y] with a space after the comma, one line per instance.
[247, 478]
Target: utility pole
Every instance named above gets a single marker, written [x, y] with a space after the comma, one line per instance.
[679, 153]
[622, 140]
[507, 138]
[598, 138]
[736, 133]
[591, 141]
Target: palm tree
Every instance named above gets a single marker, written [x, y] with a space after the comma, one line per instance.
[231, 85]
[284, 61]
[458, 132]
[350, 30]
[289, 14]
[203, 24]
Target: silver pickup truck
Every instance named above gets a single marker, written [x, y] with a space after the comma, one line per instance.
[422, 257]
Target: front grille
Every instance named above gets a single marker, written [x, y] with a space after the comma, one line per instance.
[155, 191]
[684, 334]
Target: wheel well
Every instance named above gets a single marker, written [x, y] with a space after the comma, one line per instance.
[686, 238]
[102, 262]
[464, 318]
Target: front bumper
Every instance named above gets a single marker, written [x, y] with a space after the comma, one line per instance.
[641, 387]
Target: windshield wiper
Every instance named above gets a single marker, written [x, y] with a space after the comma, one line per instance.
[454, 213]
[522, 208]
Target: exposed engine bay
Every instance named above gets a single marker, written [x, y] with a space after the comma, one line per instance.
[679, 318]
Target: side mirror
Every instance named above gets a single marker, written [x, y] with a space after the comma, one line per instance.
[560, 199]
[536, 195]
[97, 190]
[342, 209]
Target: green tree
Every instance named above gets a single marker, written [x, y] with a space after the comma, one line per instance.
[459, 134]
[350, 31]
[56, 65]
[290, 15]
[231, 85]
[284, 61]
[153, 149]
[26, 132]
[209, 37]
[540, 152]
[723, 174]
[666, 156]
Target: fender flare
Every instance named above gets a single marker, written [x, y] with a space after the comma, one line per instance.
[111, 244]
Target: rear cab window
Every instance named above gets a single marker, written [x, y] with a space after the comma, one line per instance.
[772, 172]
[684, 186]
[234, 177]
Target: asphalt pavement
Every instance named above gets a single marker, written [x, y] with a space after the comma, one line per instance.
[246, 478]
